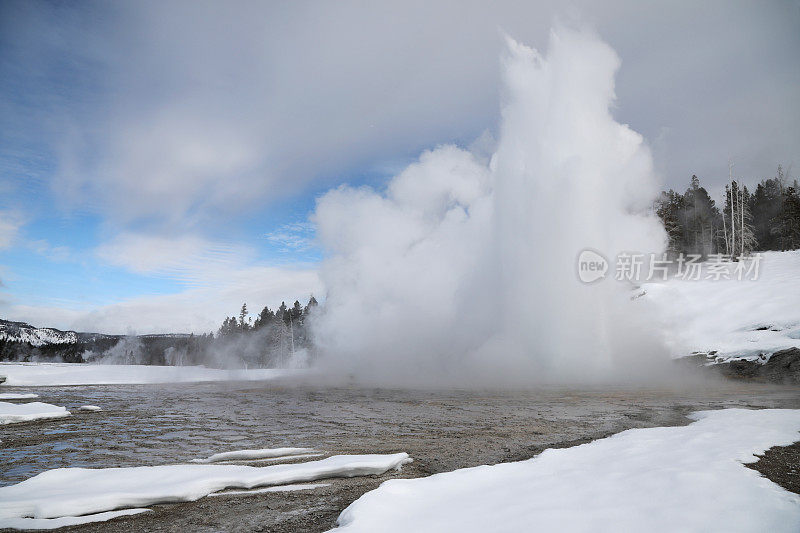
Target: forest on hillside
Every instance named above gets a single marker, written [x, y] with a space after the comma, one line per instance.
[278, 338]
[767, 218]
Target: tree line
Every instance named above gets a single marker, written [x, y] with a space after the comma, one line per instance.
[274, 338]
[767, 218]
[278, 338]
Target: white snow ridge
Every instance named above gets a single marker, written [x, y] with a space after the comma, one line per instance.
[64, 521]
[242, 455]
[280, 488]
[74, 492]
[17, 396]
[11, 413]
[666, 479]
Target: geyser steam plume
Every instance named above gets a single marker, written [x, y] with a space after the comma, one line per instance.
[465, 268]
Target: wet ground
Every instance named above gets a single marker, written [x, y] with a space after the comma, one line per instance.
[441, 430]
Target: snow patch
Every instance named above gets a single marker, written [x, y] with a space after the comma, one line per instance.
[17, 396]
[11, 413]
[661, 479]
[279, 459]
[242, 455]
[76, 491]
[64, 521]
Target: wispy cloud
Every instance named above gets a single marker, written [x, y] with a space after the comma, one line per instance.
[190, 259]
[58, 254]
[10, 222]
[197, 309]
[293, 237]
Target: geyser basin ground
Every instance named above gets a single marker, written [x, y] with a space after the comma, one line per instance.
[441, 430]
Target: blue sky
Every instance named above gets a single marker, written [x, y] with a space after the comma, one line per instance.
[159, 162]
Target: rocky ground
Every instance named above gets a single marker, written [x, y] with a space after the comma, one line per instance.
[781, 465]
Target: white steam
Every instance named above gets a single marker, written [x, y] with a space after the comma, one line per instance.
[467, 269]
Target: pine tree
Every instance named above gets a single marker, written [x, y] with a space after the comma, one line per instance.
[265, 318]
[312, 303]
[787, 227]
[243, 326]
[668, 208]
[296, 311]
[700, 220]
[282, 314]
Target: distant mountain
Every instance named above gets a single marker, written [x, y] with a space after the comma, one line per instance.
[20, 341]
[22, 332]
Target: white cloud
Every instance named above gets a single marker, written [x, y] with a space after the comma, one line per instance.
[294, 237]
[10, 222]
[199, 309]
[217, 279]
[58, 254]
[153, 254]
[200, 111]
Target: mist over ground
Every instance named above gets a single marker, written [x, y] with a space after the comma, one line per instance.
[463, 269]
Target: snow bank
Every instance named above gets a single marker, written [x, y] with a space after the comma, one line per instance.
[45, 374]
[242, 455]
[11, 413]
[17, 396]
[54, 523]
[280, 488]
[736, 318]
[657, 480]
[77, 491]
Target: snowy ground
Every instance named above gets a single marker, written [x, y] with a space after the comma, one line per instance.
[666, 479]
[66, 493]
[11, 413]
[17, 395]
[52, 374]
[55, 523]
[735, 318]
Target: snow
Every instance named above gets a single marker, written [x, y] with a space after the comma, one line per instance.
[51, 374]
[17, 396]
[77, 491]
[725, 315]
[11, 413]
[662, 479]
[21, 332]
[280, 488]
[241, 455]
[282, 458]
[89, 408]
[53, 523]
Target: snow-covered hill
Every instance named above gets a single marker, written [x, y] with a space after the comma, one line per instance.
[731, 318]
[22, 332]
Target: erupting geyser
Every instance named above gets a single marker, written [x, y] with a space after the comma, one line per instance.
[465, 268]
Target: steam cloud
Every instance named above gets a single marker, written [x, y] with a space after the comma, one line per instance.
[465, 268]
